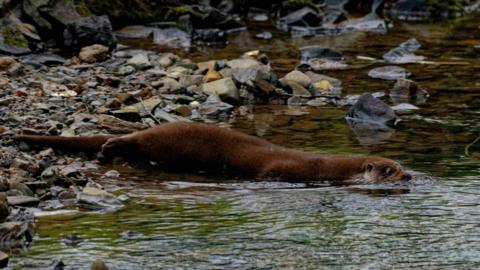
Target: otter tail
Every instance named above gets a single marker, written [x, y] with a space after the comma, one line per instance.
[87, 144]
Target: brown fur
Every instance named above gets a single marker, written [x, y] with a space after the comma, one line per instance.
[192, 146]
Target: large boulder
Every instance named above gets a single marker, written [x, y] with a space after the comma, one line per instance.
[89, 30]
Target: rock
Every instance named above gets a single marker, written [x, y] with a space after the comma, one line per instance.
[98, 265]
[410, 10]
[295, 101]
[93, 53]
[43, 59]
[213, 107]
[405, 89]
[404, 108]
[246, 75]
[297, 89]
[224, 88]
[299, 77]
[325, 64]
[125, 70]
[265, 87]
[404, 53]
[372, 111]
[4, 211]
[209, 37]
[90, 30]
[135, 31]
[3, 259]
[172, 37]
[302, 17]
[140, 62]
[54, 89]
[6, 63]
[96, 199]
[212, 75]
[389, 73]
[111, 174]
[165, 60]
[26, 201]
[243, 63]
[318, 102]
[118, 126]
[264, 35]
[189, 80]
[56, 264]
[311, 52]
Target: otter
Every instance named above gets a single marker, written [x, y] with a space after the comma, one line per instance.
[195, 146]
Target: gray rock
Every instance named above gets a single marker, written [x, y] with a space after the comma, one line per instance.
[90, 30]
[189, 80]
[224, 88]
[22, 201]
[404, 53]
[135, 31]
[140, 62]
[312, 52]
[373, 111]
[405, 89]
[389, 73]
[298, 77]
[297, 89]
[125, 70]
[213, 106]
[404, 108]
[172, 37]
[96, 199]
[243, 63]
[302, 17]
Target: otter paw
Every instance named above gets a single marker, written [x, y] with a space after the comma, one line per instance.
[110, 146]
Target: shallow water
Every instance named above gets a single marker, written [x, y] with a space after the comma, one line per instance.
[177, 221]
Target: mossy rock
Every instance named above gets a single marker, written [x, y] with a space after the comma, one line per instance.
[13, 37]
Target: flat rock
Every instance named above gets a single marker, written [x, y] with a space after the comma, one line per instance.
[97, 199]
[22, 201]
[373, 111]
[243, 63]
[389, 73]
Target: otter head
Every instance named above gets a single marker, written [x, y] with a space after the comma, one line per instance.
[381, 170]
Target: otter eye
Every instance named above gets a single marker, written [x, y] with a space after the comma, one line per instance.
[388, 171]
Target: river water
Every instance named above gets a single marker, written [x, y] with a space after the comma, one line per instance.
[175, 221]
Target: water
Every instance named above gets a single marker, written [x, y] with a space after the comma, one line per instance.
[175, 221]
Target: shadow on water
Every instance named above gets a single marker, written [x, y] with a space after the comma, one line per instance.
[200, 222]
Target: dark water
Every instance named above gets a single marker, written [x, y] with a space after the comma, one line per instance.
[185, 221]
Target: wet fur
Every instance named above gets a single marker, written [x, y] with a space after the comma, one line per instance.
[193, 146]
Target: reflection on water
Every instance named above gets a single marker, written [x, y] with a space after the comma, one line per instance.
[185, 221]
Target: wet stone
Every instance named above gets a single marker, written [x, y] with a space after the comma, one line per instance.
[264, 35]
[373, 111]
[97, 199]
[140, 62]
[389, 73]
[312, 52]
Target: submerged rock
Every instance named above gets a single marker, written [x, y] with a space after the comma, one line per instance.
[389, 73]
[373, 112]
[312, 52]
[172, 37]
[404, 53]
[405, 90]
